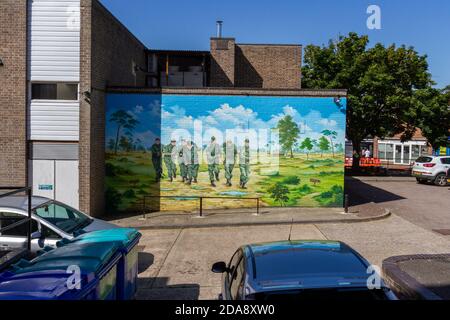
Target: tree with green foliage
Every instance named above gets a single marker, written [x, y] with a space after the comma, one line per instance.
[289, 132]
[324, 145]
[332, 136]
[307, 145]
[434, 115]
[279, 193]
[124, 121]
[381, 83]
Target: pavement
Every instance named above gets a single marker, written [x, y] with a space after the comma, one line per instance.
[248, 217]
[175, 263]
[425, 205]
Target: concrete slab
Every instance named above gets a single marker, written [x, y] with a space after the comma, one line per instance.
[182, 258]
[196, 250]
[379, 240]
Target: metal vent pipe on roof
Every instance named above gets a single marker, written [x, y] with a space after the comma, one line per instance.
[219, 28]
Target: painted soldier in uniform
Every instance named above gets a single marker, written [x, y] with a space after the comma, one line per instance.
[181, 163]
[244, 164]
[213, 155]
[170, 155]
[190, 155]
[230, 154]
[156, 159]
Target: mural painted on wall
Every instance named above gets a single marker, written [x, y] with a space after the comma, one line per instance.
[288, 151]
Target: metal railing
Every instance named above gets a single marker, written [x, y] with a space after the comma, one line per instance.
[200, 199]
[28, 192]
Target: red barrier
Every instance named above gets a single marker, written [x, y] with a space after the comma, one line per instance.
[364, 162]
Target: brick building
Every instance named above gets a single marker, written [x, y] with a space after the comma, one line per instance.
[59, 61]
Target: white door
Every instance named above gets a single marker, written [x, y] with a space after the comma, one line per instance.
[43, 173]
[56, 179]
[66, 183]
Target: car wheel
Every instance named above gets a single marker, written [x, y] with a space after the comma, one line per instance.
[441, 180]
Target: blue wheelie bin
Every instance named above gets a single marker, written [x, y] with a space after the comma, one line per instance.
[100, 259]
[127, 240]
[47, 285]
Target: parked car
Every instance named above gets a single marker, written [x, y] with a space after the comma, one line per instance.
[52, 221]
[431, 169]
[298, 270]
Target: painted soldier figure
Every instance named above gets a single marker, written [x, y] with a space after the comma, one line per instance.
[213, 155]
[181, 163]
[244, 164]
[170, 156]
[230, 154]
[156, 159]
[190, 154]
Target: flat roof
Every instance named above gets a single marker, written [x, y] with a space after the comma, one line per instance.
[233, 91]
[181, 52]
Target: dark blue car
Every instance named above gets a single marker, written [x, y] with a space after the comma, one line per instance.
[298, 270]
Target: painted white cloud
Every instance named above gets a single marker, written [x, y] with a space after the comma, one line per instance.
[327, 123]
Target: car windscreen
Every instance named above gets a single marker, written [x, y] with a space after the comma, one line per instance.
[424, 160]
[65, 218]
[344, 294]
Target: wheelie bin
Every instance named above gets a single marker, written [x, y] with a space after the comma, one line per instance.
[127, 239]
[47, 285]
[100, 259]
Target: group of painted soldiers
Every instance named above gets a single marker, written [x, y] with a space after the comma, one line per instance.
[187, 157]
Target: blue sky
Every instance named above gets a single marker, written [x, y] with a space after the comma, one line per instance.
[200, 117]
[181, 24]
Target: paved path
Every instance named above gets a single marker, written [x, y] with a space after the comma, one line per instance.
[175, 264]
[427, 206]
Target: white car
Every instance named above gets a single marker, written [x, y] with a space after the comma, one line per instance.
[52, 222]
[432, 169]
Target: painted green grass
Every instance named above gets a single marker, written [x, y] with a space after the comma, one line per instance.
[130, 176]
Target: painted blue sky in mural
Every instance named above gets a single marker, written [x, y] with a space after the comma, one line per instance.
[161, 118]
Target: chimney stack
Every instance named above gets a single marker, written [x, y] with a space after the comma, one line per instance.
[219, 28]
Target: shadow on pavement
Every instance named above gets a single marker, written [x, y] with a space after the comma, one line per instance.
[158, 289]
[145, 261]
[360, 193]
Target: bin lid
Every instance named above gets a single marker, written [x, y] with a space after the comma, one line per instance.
[47, 285]
[89, 257]
[122, 235]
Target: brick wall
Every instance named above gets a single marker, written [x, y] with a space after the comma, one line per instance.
[222, 70]
[13, 32]
[108, 51]
[268, 66]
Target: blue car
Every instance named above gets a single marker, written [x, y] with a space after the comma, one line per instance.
[299, 270]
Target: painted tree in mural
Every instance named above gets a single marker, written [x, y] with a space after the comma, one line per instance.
[382, 83]
[124, 121]
[279, 193]
[307, 145]
[289, 132]
[324, 145]
[332, 136]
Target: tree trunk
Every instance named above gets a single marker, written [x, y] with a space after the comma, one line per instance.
[292, 153]
[117, 139]
[332, 146]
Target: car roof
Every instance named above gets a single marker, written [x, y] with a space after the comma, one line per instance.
[21, 202]
[304, 264]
